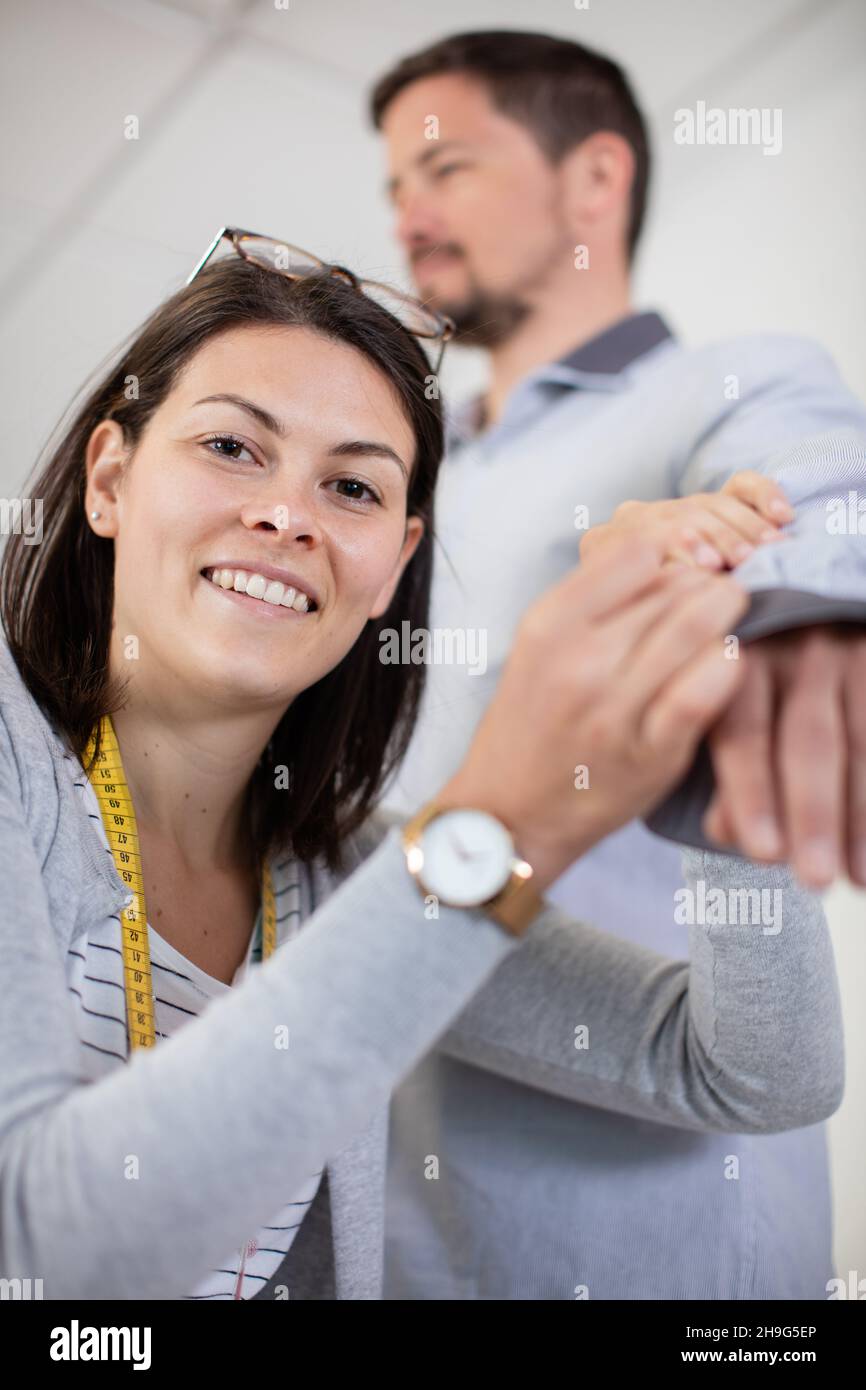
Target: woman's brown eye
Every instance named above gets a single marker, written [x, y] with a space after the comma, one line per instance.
[359, 489]
[230, 441]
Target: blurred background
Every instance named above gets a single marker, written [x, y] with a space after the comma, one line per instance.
[251, 112]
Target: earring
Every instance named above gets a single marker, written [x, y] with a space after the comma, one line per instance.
[96, 515]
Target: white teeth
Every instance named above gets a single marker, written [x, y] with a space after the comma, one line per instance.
[257, 586]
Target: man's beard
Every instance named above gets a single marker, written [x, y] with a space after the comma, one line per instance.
[482, 320]
[485, 320]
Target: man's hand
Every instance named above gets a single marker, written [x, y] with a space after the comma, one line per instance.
[789, 755]
[713, 530]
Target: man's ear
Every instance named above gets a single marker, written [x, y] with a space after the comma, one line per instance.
[597, 177]
[104, 460]
[411, 540]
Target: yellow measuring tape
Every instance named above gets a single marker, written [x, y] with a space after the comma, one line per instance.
[118, 817]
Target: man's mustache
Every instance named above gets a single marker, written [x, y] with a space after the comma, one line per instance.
[419, 253]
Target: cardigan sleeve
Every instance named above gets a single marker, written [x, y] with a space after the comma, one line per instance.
[746, 1035]
[133, 1185]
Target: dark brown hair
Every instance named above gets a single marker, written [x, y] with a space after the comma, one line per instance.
[561, 91]
[340, 738]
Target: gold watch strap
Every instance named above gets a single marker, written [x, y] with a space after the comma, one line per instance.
[517, 905]
[513, 908]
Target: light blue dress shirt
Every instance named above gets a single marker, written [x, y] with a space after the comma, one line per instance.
[542, 1197]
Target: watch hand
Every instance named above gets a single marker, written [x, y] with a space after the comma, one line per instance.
[466, 854]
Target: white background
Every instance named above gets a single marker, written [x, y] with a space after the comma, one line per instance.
[254, 116]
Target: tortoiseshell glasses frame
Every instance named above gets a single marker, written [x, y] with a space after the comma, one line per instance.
[285, 259]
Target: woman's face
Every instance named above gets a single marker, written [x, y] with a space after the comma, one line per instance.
[304, 472]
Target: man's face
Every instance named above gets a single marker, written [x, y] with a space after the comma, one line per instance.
[479, 208]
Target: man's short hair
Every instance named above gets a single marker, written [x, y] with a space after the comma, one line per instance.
[561, 91]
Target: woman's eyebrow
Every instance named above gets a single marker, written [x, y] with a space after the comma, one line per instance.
[366, 448]
[258, 412]
[350, 448]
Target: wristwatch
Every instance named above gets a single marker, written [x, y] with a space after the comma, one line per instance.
[466, 858]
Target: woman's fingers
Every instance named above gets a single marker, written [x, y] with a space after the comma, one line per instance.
[733, 527]
[675, 539]
[634, 621]
[762, 493]
[612, 574]
[716, 530]
[690, 701]
[693, 620]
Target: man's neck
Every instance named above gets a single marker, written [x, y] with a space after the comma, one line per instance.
[553, 329]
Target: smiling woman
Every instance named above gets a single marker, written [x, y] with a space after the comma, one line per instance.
[215, 960]
[230, 516]
[188, 471]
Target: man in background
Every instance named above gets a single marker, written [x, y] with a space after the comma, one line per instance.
[518, 171]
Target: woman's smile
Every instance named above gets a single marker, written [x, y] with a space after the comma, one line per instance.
[267, 598]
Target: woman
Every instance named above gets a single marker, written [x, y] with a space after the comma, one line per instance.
[238, 510]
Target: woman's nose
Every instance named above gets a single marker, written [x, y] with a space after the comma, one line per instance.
[287, 511]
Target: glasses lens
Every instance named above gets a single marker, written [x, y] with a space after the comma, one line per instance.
[276, 255]
[411, 314]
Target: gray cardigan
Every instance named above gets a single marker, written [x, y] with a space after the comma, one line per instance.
[747, 1036]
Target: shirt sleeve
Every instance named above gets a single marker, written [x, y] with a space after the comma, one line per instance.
[790, 416]
[792, 419]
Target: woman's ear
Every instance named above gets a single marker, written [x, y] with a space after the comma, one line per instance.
[414, 532]
[104, 460]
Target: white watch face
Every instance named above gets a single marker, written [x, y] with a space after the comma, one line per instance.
[467, 857]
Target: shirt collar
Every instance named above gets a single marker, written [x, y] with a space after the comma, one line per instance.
[604, 356]
[617, 347]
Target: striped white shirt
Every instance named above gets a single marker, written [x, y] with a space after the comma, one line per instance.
[94, 976]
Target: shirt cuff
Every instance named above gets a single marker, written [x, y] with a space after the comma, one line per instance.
[779, 610]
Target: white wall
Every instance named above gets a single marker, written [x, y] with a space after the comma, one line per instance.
[251, 115]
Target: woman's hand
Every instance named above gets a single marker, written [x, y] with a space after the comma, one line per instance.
[614, 676]
[713, 530]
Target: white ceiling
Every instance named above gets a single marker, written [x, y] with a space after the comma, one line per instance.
[255, 115]
[202, 74]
